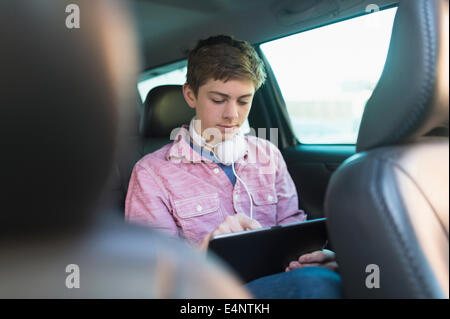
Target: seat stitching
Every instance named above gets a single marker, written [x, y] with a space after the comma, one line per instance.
[429, 40]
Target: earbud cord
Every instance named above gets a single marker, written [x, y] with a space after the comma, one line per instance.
[203, 142]
[245, 186]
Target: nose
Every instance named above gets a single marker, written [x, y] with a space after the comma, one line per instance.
[230, 111]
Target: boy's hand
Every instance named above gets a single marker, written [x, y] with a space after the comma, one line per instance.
[321, 258]
[231, 224]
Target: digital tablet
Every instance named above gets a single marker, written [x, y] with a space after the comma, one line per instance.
[257, 253]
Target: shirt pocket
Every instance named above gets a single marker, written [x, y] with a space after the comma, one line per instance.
[265, 206]
[198, 216]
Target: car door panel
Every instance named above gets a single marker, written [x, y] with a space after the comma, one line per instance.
[311, 167]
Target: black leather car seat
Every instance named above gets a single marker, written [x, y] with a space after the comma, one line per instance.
[388, 205]
[145, 129]
[164, 111]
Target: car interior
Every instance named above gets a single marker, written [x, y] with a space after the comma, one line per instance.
[311, 164]
[357, 91]
[409, 101]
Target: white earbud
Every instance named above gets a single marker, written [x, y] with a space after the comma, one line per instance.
[227, 152]
[231, 150]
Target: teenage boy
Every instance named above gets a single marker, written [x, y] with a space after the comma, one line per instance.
[200, 185]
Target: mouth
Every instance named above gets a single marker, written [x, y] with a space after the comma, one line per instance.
[227, 126]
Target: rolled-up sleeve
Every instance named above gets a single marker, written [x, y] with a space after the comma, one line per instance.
[147, 203]
[287, 206]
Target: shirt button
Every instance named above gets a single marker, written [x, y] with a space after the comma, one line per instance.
[216, 170]
[199, 208]
[269, 197]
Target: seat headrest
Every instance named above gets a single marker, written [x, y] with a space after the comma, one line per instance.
[411, 97]
[164, 110]
[62, 89]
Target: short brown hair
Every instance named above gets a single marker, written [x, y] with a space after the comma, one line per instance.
[223, 58]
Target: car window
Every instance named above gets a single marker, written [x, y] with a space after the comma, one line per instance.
[326, 75]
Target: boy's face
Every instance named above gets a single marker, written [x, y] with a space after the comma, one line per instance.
[220, 105]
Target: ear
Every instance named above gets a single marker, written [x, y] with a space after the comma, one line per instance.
[189, 96]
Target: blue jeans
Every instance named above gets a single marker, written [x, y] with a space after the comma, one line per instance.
[302, 283]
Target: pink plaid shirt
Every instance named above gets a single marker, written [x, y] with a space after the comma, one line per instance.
[182, 193]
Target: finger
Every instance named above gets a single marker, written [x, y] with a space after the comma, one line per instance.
[306, 258]
[310, 265]
[248, 223]
[217, 231]
[224, 228]
[319, 256]
[233, 224]
[294, 265]
[205, 242]
[316, 257]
